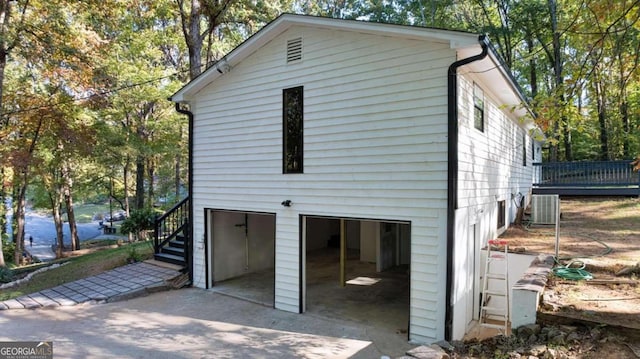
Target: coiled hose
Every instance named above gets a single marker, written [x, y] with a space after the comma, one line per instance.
[574, 270]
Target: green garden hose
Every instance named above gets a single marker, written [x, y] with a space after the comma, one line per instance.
[575, 269]
[571, 272]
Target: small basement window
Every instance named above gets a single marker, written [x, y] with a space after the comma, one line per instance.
[292, 123]
[501, 213]
[478, 108]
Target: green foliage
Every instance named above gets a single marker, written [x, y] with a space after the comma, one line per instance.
[7, 250]
[140, 220]
[133, 256]
[6, 275]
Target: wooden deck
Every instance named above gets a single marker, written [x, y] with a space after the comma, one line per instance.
[594, 178]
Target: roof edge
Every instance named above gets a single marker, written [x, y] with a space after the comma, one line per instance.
[455, 39]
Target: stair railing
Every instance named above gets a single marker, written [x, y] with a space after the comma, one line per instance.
[170, 224]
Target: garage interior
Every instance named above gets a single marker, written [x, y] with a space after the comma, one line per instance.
[363, 278]
[373, 288]
[242, 252]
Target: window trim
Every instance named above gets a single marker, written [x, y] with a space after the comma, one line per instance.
[285, 133]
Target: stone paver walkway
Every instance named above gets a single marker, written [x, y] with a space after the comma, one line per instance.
[117, 284]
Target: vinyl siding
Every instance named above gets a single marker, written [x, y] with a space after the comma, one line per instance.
[490, 169]
[375, 142]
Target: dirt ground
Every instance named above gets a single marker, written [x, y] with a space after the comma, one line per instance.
[603, 234]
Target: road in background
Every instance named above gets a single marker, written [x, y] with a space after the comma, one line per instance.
[43, 231]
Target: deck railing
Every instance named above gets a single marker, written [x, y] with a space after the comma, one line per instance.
[586, 174]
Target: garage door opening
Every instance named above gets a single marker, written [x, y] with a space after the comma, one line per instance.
[358, 270]
[242, 252]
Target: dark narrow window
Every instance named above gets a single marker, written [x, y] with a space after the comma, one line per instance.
[533, 150]
[501, 213]
[478, 108]
[524, 149]
[292, 116]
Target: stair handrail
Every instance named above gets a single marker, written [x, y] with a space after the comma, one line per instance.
[170, 224]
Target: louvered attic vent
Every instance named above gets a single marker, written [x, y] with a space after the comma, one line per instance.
[294, 50]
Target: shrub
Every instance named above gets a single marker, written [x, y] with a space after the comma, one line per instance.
[6, 275]
[140, 221]
[8, 249]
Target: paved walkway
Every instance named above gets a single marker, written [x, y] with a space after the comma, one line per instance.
[121, 283]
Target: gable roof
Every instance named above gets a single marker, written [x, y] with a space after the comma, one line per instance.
[490, 70]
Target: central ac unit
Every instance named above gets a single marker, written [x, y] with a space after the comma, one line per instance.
[544, 208]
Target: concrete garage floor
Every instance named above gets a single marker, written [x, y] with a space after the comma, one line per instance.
[379, 300]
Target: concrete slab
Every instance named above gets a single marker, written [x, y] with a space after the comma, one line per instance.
[195, 323]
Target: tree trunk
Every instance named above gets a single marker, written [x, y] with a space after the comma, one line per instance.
[557, 72]
[624, 112]
[533, 74]
[55, 197]
[568, 152]
[191, 31]
[602, 121]
[57, 221]
[3, 214]
[68, 199]
[139, 204]
[19, 217]
[126, 191]
[151, 174]
[73, 228]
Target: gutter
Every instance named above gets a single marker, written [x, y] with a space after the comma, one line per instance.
[452, 174]
[189, 115]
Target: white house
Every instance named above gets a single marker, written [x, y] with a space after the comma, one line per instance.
[407, 145]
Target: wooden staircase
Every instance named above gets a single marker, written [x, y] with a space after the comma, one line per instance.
[173, 251]
[172, 242]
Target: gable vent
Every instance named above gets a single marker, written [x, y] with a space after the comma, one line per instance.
[294, 50]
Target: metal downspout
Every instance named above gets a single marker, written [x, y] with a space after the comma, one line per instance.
[190, 193]
[452, 173]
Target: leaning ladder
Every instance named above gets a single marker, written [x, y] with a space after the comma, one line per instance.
[495, 314]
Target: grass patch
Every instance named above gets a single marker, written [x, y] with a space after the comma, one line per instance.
[93, 243]
[81, 267]
[85, 212]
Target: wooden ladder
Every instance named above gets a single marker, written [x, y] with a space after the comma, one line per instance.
[494, 313]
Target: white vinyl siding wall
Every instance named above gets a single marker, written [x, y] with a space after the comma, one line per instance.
[375, 142]
[490, 163]
[490, 169]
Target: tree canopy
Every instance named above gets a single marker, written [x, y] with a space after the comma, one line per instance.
[83, 84]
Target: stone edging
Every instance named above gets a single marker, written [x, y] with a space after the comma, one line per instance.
[20, 281]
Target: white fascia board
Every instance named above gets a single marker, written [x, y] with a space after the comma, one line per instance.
[455, 39]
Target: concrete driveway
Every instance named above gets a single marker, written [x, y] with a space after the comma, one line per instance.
[194, 323]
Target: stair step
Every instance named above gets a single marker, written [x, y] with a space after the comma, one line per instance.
[494, 293]
[176, 243]
[169, 258]
[176, 251]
